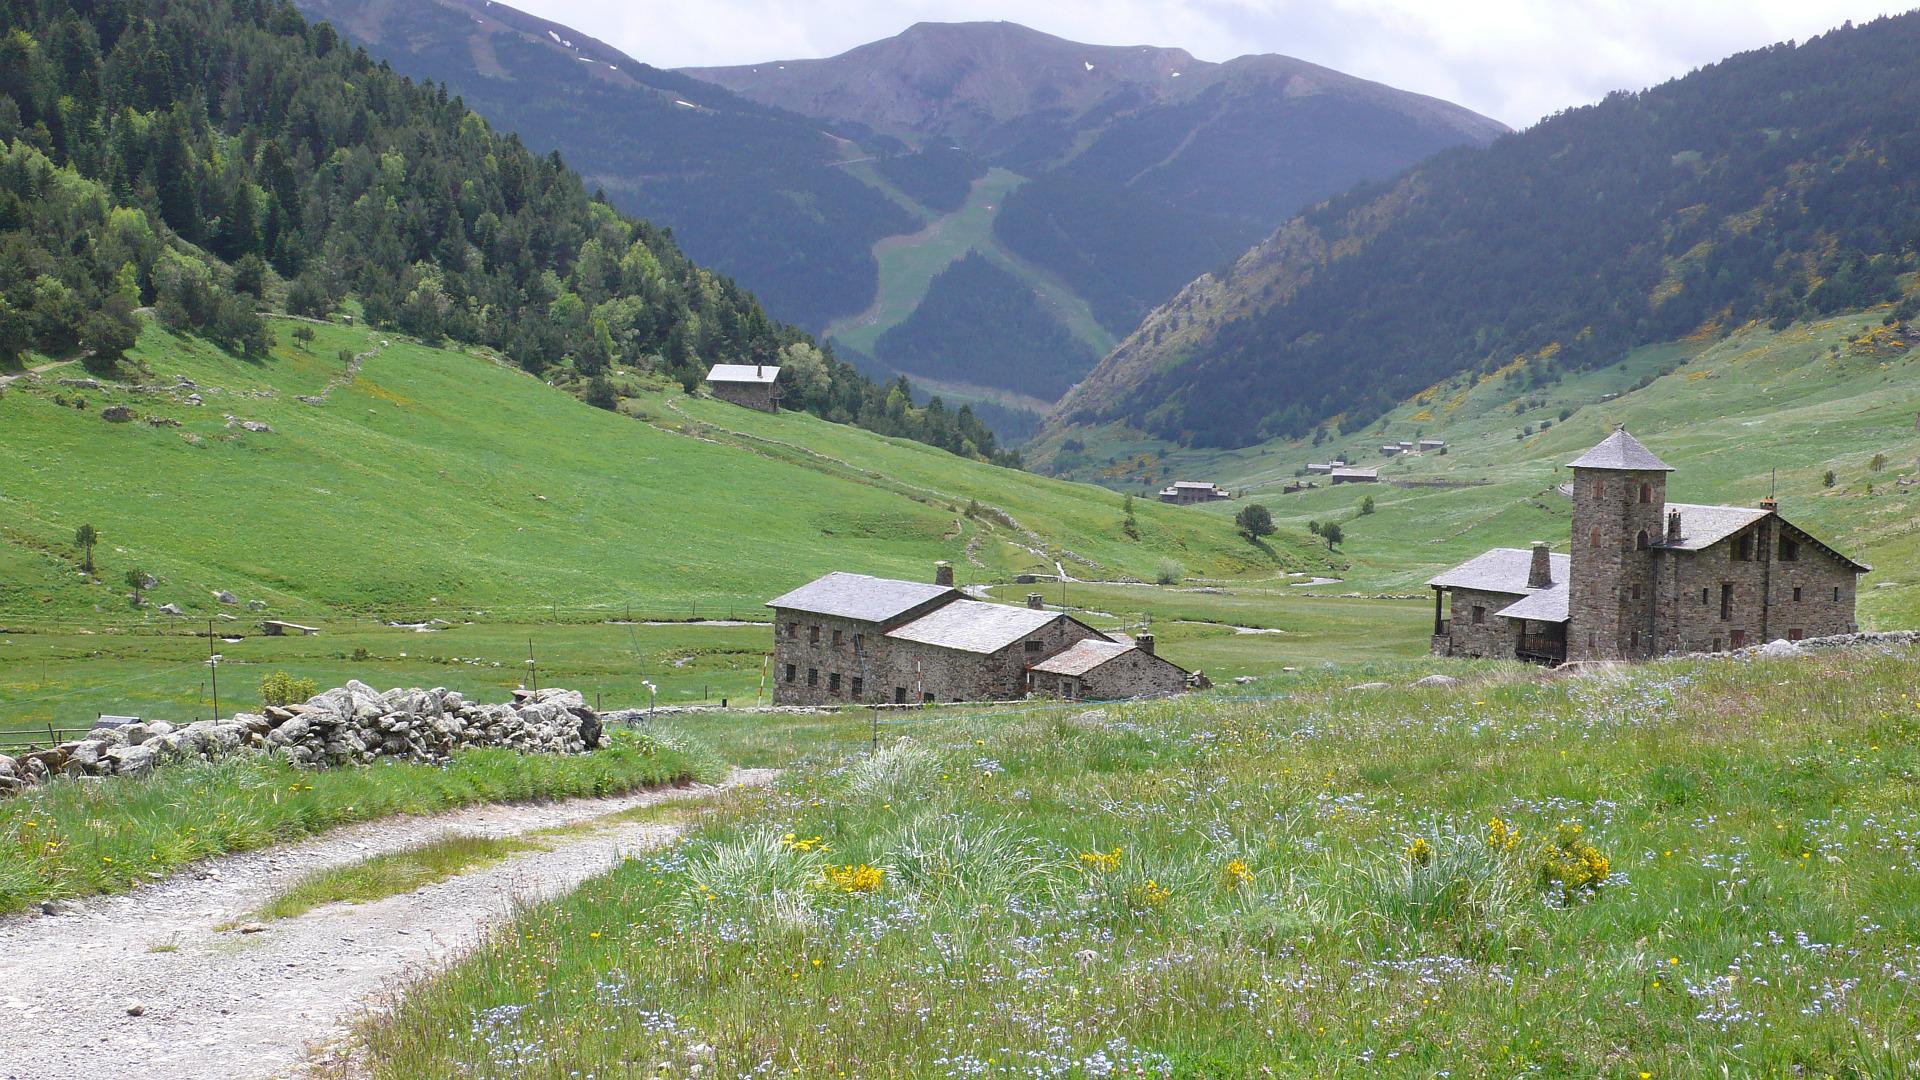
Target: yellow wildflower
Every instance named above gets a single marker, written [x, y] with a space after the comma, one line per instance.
[1104, 861]
[1419, 853]
[1235, 874]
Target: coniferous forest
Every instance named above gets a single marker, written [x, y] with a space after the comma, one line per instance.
[210, 159]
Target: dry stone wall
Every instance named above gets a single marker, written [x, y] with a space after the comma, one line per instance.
[352, 725]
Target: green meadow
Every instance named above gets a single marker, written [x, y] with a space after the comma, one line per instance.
[1684, 869]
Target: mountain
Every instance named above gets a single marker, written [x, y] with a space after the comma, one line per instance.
[1778, 183]
[210, 160]
[749, 189]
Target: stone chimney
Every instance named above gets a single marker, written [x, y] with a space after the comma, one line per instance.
[1036, 601]
[1144, 642]
[1540, 571]
[1769, 503]
[1673, 526]
[943, 574]
[757, 372]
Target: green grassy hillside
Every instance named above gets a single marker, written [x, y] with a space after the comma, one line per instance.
[437, 481]
[1817, 397]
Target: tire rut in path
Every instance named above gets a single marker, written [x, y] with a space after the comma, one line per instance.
[224, 1004]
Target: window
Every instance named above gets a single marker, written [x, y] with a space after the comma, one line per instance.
[1738, 639]
[1646, 493]
[1599, 486]
[1479, 615]
[859, 686]
[1743, 548]
[833, 683]
[1635, 641]
[1636, 590]
[793, 631]
[813, 676]
[1035, 646]
[1726, 601]
[813, 635]
[1789, 551]
[926, 699]
[836, 637]
[1703, 596]
[1796, 594]
[899, 695]
[1795, 634]
[1593, 538]
[1836, 594]
[791, 670]
[1716, 645]
[1067, 689]
[1640, 542]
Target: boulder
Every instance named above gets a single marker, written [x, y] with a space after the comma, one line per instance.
[170, 609]
[226, 597]
[256, 605]
[1778, 648]
[1437, 680]
[132, 760]
[116, 414]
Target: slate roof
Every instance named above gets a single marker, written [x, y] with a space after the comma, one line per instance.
[1502, 570]
[974, 626]
[1084, 656]
[857, 596]
[1620, 451]
[743, 373]
[1549, 605]
[1370, 474]
[1705, 526]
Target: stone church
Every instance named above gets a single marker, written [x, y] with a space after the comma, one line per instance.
[1645, 577]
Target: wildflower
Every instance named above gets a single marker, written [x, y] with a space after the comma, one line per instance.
[1149, 897]
[1502, 837]
[1235, 874]
[1419, 853]
[1573, 864]
[854, 879]
[802, 844]
[1103, 861]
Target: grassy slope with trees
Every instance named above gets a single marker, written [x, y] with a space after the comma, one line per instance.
[981, 325]
[1774, 185]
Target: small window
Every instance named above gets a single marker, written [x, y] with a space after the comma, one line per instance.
[1593, 538]
[1716, 645]
[1599, 486]
[1789, 551]
[833, 683]
[926, 699]
[1703, 598]
[1634, 641]
[1726, 601]
[1795, 634]
[791, 671]
[899, 695]
[1479, 615]
[1739, 639]
[1640, 543]
[813, 635]
[1035, 646]
[1796, 594]
[1636, 590]
[1836, 594]
[793, 631]
[836, 637]
[1743, 548]
[859, 686]
[1646, 493]
[813, 676]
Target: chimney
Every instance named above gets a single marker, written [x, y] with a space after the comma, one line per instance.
[1673, 526]
[1036, 601]
[1144, 642]
[756, 371]
[1769, 503]
[1540, 572]
[943, 574]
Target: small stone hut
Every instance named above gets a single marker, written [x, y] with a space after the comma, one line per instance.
[752, 386]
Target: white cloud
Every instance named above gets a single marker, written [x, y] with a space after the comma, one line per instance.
[1516, 60]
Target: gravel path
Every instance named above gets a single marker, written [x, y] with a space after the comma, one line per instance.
[226, 1004]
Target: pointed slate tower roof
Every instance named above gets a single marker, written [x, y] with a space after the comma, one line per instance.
[1621, 452]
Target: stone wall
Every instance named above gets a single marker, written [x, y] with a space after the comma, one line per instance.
[1493, 637]
[1762, 607]
[354, 724]
[1609, 562]
[953, 675]
[759, 396]
[804, 668]
[1131, 674]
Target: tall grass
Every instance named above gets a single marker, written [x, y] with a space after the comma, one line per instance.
[76, 838]
[1308, 886]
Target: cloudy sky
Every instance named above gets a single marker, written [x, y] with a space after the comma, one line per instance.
[1514, 60]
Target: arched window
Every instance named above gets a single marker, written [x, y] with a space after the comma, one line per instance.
[1641, 543]
[1593, 538]
[1646, 496]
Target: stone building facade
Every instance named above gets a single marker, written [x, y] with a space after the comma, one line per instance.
[1104, 670]
[852, 639]
[752, 386]
[1646, 577]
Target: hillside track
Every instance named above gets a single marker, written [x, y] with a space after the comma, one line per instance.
[219, 1002]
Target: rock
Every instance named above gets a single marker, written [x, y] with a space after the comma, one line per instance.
[1437, 680]
[116, 414]
[136, 1009]
[256, 605]
[81, 384]
[226, 597]
[56, 907]
[1243, 680]
[1778, 648]
[170, 609]
[256, 427]
[254, 928]
[132, 760]
[1368, 686]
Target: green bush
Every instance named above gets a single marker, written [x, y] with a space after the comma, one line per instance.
[1169, 572]
[282, 689]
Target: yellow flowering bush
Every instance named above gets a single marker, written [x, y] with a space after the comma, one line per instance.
[851, 878]
[1419, 853]
[1104, 862]
[802, 844]
[1573, 865]
[1502, 838]
[1235, 874]
[1151, 896]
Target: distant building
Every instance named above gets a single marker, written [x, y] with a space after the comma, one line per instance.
[1429, 445]
[751, 385]
[1187, 492]
[853, 639]
[1354, 476]
[1390, 450]
[1646, 577]
[1320, 467]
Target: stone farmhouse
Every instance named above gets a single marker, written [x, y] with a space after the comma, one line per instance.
[1188, 492]
[753, 386]
[1645, 577]
[847, 639]
[1349, 475]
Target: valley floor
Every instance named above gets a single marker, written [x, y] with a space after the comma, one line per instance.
[215, 1001]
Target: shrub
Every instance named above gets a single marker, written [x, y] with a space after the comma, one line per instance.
[1827, 480]
[1366, 506]
[1169, 572]
[1256, 521]
[281, 689]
